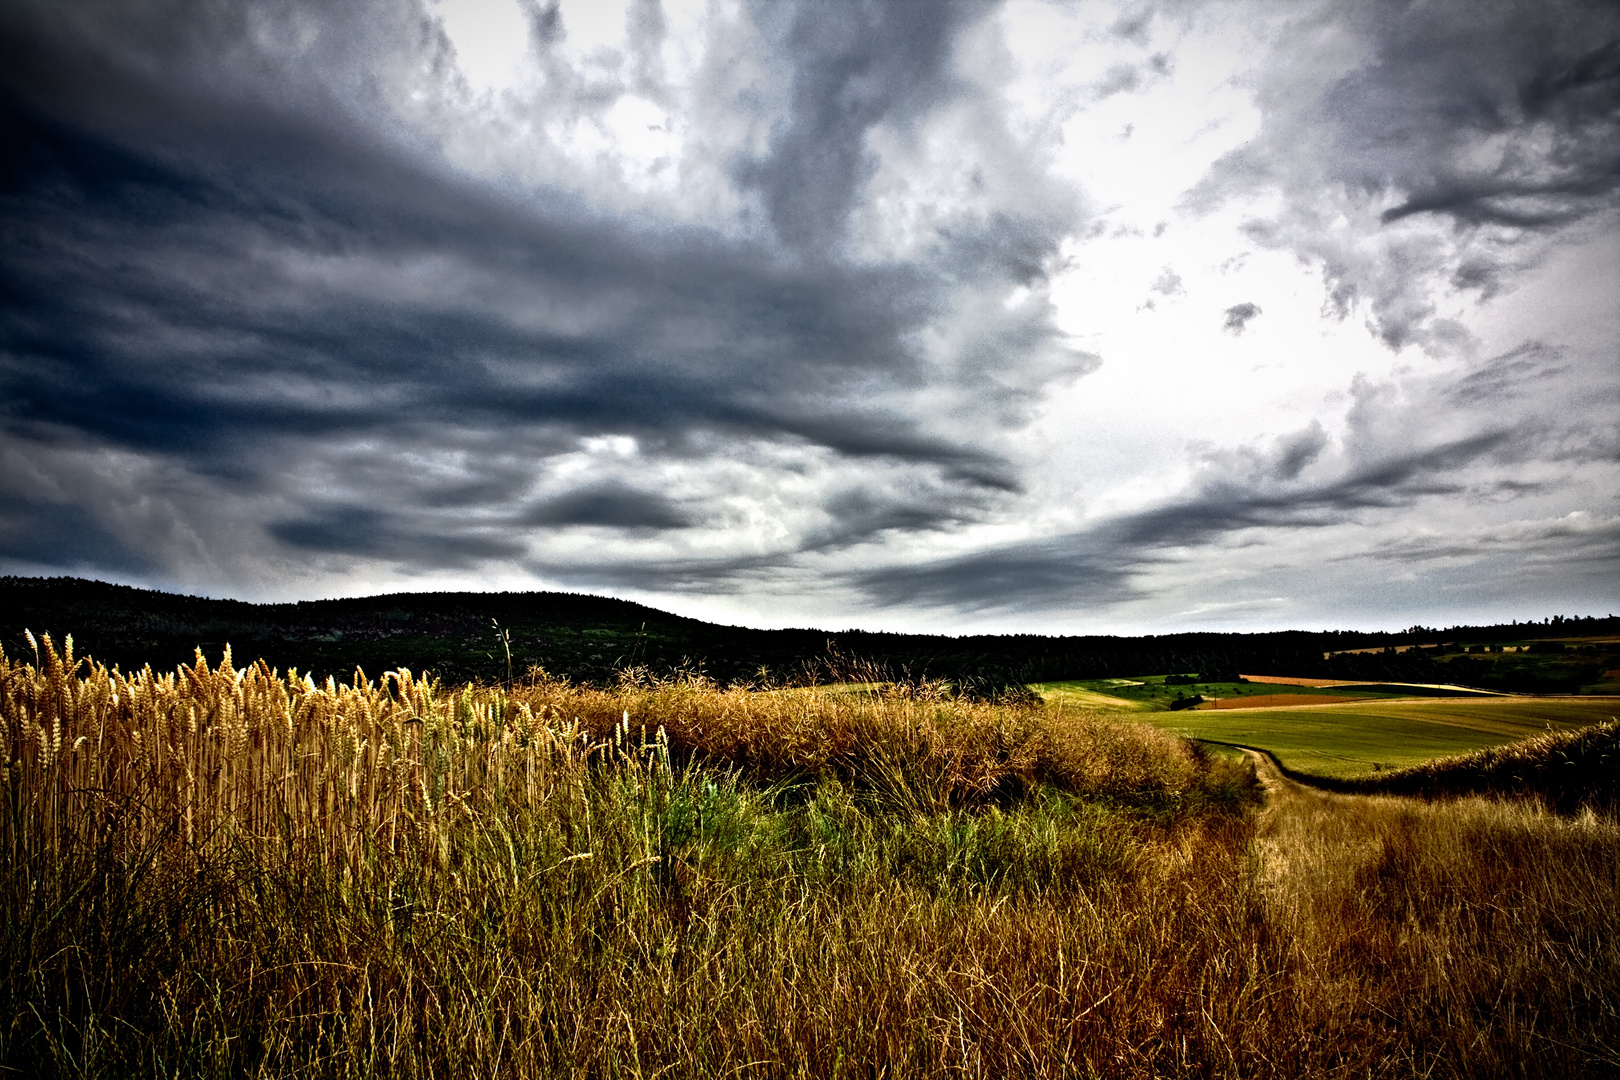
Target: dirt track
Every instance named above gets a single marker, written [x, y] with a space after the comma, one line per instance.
[1285, 795]
[1280, 789]
[1271, 778]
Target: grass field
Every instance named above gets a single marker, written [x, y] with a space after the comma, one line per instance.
[1364, 737]
[223, 872]
[1148, 692]
[1099, 693]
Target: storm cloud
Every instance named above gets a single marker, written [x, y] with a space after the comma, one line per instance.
[1499, 121]
[786, 301]
[1242, 501]
[249, 291]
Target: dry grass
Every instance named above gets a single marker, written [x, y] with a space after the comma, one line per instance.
[1487, 932]
[1567, 771]
[230, 872]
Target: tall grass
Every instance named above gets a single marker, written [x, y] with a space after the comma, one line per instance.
[1568, 771]
[223, 871]
[1486, 932]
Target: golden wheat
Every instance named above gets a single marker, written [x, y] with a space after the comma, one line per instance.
[222, 871]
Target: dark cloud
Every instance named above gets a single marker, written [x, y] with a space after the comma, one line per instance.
[1081, 570]
[856, 515]
[194, 280]
[1105, 564]
[614, 506]
[1294, 452]
[1497, 118]
[724, 575]
[1134, 26]
[217, 260]
[67, 535]
[1500, 378]
[545, 23]
[363, 531]
[1238, 316]
[1575, 538]
[1544, 80]
[853, 65]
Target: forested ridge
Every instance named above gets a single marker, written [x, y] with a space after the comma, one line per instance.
[461, 636]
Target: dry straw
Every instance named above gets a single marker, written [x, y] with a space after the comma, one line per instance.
[234, 871]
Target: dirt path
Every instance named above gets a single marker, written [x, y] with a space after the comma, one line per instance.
[1285, 795]
[1278, 787]
[1391, 911]
[1310, 840]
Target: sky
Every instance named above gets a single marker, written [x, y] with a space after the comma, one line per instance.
[1124, 317]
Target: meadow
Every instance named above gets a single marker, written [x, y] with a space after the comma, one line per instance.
[1150, 692]
[221, 871]
[1363, 738]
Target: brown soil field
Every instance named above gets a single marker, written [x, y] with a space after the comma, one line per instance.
[1262, 701]
[1283, 680]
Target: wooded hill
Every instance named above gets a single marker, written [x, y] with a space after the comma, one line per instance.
[590, 638]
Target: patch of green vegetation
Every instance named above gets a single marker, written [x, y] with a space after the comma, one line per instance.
[1364, 738]
[1537, 665]
[1153, 692]
[1568, 771]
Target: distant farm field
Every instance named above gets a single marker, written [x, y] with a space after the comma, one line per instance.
[1364, 737]
[1161, 692]
[1091, 694]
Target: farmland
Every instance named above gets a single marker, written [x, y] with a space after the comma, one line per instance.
[1153, 692]
[1363, 737]
[1337, 730]
[223, 871]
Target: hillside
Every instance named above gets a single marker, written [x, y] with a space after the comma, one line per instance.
[589, 638]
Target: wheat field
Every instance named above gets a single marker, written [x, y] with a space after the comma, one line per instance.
[223, 871]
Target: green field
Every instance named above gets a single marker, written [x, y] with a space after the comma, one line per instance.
[1383, 728]
[1144, 692]
[1363, 737]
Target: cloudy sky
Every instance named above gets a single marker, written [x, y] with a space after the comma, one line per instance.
[1059, 317]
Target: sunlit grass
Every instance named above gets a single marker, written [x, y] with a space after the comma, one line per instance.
[232, 872]
[1367, 737]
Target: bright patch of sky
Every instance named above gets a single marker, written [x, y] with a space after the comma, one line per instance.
[491, 38]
